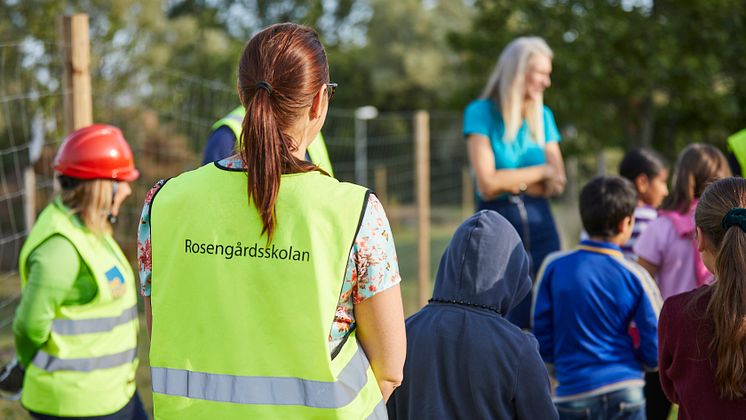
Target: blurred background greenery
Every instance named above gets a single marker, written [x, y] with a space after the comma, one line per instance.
[660, 73]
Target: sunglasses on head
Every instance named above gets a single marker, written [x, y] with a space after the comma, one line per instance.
[330, 89]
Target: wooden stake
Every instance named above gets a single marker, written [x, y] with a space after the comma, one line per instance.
[76, 58]
[29, 196]
[381, 184]
[467, 200]
[422, 163]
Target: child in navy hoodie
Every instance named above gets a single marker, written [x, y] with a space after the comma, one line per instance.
[585, 301]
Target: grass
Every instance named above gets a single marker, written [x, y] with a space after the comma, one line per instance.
[407, 253]
[406, 246]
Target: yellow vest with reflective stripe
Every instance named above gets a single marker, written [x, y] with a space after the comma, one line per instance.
[316, 150]
[241, 327]
[737, 145]
[87, 366]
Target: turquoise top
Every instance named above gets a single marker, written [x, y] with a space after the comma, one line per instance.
[483, 116]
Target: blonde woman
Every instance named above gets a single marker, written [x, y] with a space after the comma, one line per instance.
[76, 326]
[513, 145]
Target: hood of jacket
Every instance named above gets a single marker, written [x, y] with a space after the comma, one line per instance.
[485, 265]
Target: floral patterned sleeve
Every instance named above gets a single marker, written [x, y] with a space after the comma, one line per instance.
[372, 268]
[376, 263]
[144, 260]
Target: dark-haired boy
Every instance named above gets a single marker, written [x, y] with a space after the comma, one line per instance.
[584, 303]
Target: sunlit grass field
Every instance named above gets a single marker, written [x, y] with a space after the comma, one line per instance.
[407, 253]
[404, 235]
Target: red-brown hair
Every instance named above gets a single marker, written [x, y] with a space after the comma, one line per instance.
[291, 59]
[727, 306]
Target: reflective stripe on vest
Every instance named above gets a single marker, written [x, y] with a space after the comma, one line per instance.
[265, 389]
[379, 412]
[95, 325]
[49, 363]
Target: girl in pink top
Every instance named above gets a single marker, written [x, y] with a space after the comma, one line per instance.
[667, 248]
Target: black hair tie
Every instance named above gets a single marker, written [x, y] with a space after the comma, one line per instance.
[735, 216]
[264, 85]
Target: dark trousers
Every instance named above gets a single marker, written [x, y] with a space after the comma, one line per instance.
[532, 219]
[133, 410]
[657, 405]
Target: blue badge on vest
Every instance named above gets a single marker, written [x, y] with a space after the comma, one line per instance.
[116, 282]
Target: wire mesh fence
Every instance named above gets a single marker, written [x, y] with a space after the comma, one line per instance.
[30, 98]
[167, 115]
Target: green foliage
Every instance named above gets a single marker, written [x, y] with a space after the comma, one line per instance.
[661, 73]
[406, 63]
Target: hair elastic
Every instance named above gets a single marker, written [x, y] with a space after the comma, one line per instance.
[735, 216]
[264, 85]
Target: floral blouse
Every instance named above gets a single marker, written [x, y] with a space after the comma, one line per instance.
[372, 266]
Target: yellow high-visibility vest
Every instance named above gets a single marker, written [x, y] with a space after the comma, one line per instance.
[240, 326]
[737, 145]
[87, 367]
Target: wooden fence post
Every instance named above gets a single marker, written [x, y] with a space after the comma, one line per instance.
[380, 181]
[467, 200]
[76, 59]
[422, 164]
[29, 196]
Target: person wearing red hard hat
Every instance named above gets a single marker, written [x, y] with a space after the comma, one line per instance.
[76, 325]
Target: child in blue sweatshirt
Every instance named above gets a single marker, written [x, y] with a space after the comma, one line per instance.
[584, 303]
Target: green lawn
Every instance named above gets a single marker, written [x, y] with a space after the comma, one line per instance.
[406, 246]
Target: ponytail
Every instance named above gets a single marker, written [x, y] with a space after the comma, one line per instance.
[262, 157]
[727, 306]
[280, 72]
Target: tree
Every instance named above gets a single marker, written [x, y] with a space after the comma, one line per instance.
[626, 73]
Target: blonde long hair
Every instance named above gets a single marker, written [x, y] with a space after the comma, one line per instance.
[91, 201]
[507, 87]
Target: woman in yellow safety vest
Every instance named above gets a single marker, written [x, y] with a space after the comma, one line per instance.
[272, 289]
[76, 325]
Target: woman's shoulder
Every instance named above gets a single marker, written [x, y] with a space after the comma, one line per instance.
[480, 107]
[547, 111]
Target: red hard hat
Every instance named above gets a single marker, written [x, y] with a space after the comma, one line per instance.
[98, 151]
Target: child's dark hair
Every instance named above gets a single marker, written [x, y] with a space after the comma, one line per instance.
[641, 161]
[604, 202]
[698, 165]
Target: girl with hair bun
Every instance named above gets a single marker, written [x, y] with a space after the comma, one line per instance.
[702, 333]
